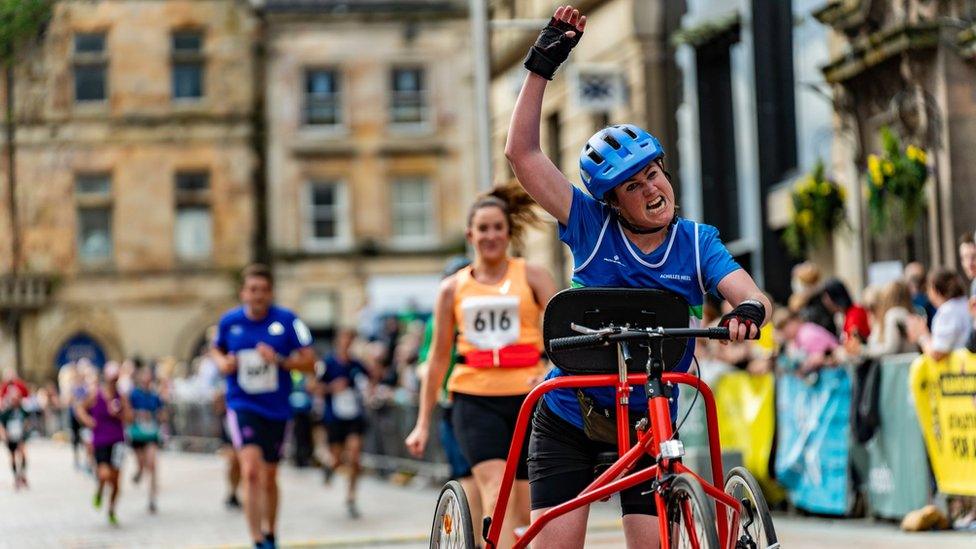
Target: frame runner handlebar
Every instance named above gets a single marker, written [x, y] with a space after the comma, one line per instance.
[606, 336]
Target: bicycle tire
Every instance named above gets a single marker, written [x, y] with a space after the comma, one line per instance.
[686, 498]
[452, 527]
[742, 485]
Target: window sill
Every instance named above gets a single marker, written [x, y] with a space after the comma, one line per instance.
[416, 243]
[411, 128]
[189, 103]
[323, 131]
[99, 107]
[96, 268]
[327, 246]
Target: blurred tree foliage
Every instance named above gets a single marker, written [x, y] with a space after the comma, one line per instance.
[20, 20]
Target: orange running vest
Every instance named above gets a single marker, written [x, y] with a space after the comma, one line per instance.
[501, 319]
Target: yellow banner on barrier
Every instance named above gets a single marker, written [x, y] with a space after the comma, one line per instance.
[747, 407]
[945, 395]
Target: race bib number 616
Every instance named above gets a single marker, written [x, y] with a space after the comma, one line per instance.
[491, 322]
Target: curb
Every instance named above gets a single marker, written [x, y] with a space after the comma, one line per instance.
[393, 539]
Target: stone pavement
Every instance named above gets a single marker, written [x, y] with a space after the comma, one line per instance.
[56, 512]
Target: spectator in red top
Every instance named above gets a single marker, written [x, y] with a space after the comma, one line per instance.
[10, 379]
[838, 300]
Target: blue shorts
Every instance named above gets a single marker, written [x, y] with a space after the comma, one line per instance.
[247, 428]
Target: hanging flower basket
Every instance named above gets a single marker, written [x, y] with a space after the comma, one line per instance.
[895, 187]
[818, 210]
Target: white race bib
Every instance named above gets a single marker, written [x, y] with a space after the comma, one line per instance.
[491, 321]
[254, 375]
[118, 455]
[345, 405]
[15, 429]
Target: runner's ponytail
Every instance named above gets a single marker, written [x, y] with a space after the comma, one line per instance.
[515, 203]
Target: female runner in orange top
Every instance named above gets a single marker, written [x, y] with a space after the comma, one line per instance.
[494, 306]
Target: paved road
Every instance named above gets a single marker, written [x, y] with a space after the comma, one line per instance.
[56, 512]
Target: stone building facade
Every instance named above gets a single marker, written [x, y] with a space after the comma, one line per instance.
[755, 117]
[622, 71]
[370, 153]
[910, 66]
[134, 169]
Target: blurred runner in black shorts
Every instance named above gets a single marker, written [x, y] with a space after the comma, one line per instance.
[342, 380]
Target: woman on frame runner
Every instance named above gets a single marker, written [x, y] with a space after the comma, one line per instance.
[624, 233]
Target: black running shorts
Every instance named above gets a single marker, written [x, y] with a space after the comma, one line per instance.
[247, 428]
[562, 465]
[484, 427]
[340, 429]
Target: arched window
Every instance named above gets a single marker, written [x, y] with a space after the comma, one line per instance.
[81, 345]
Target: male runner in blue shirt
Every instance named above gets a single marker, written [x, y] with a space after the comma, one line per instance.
[257, 345]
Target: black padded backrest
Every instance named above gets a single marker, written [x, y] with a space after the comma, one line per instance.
[598, 308]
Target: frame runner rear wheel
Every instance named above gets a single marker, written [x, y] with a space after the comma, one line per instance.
[754, 529]
[690, 514]
[452, 527]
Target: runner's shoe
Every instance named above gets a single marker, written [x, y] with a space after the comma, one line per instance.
[97, 501]
[352, 509]
[232, 502]
[112, 519]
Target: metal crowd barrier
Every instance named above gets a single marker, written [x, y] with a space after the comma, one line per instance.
[196, 427]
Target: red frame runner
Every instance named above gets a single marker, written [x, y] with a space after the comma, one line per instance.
[649, 442]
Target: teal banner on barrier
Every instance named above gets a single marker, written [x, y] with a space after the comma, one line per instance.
[898, 478]
[813, 416]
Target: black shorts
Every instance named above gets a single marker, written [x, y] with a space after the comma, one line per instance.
[484, 426]
[140, 444]
[75, 429]
[109, 455]
[12, 445]
[563, 461]
[247, 428]
[340, 429]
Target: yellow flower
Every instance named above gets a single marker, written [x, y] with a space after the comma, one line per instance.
[888, 167]
[873, 162]
[912, 152]
[825, 188]
[805, 185]
[842, 193]
[874, 169]
[923, 157]
[804, 218]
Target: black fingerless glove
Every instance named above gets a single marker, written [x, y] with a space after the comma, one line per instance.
[552, 48]
[751, 313]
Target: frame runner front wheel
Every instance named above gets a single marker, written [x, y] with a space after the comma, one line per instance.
[452, 527]
[754, 529]
[690, 514]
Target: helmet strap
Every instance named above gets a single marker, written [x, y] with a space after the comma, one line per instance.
[642, 230]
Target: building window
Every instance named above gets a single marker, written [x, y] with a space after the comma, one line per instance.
[413, 211]
[93, 194]
[327, 214]
[323, 105]
[717, 146]
[90, 62]
[193, 234]
[188, 62]
[408, 96]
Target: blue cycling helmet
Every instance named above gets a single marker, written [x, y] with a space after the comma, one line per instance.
[614, 154]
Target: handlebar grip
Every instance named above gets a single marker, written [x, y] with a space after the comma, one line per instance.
[718, 333]
[588, 341]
